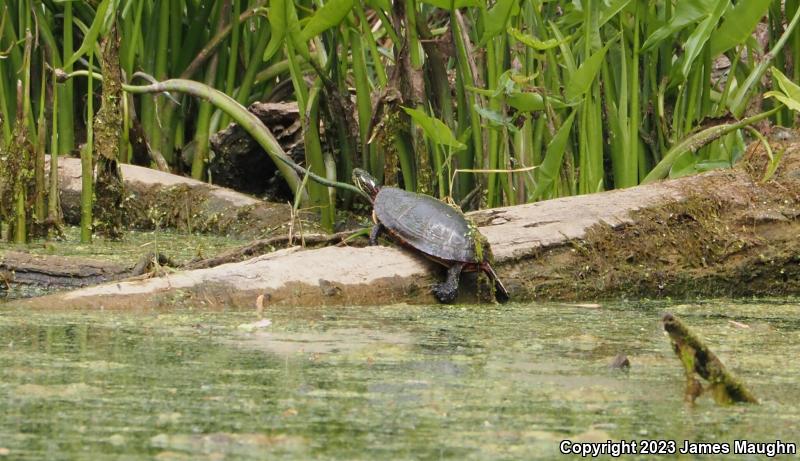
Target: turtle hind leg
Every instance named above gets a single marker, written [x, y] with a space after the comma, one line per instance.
[447, 291]
[374, 233]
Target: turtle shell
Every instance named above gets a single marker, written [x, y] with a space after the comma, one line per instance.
[425, 224]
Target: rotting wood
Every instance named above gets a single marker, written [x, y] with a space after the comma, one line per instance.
[721, 233]
[240, 163]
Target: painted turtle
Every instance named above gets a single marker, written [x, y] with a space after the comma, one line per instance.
[433, 228]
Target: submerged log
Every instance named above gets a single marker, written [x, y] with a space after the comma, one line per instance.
[698, 360]
[163, 200]
[722, 233]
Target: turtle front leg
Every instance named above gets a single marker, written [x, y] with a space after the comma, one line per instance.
[374, 233]
[447, 291]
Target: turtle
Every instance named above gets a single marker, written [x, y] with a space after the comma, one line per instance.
[433, 228]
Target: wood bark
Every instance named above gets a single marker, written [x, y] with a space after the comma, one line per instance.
[722, 233]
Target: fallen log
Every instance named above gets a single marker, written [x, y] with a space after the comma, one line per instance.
[60, 272]
[722, 233]
[159, 199]
[57, 271]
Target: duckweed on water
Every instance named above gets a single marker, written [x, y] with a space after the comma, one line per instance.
[394, 382]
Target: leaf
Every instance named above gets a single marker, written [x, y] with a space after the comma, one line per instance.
[330, 15]
[495, 118]
[277, 24]
[785, 100]
[91, 36]
[482, 91]
[739, 24]
[790, 89]
[610, 11]
[684, 165]
[531, 102]
[566, 58]
[696, 41]
[533, 42]
[497, 17]
[446, 4]
[435, 129]
[551, 165]
[385, 5]
[686, 12]
[293, 31]
[582, 79]
[708, 165]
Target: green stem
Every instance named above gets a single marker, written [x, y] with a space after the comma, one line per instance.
[319, 196]
[248, 121]
[86, 165]
[54, 203]
[66, 114]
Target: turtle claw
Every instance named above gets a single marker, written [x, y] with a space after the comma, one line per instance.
[444, 293]
[447, 291]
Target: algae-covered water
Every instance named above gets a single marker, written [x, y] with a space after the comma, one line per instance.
[392, 382]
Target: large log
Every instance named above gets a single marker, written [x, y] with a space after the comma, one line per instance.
[720, 233]
[159, 199]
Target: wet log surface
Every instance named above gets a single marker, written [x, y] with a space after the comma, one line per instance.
[722, 233]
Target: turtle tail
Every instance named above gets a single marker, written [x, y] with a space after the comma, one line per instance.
[500, 291]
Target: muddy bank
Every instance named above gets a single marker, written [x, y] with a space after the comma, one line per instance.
[163, 200]
[723, 233]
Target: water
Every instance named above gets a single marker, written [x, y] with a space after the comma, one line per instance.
[391, 382]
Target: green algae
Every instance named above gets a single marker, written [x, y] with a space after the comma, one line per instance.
[384, 382]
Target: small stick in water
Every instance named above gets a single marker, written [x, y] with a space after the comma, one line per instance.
[697, 359]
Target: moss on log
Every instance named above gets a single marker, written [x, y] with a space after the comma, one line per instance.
[698, 360]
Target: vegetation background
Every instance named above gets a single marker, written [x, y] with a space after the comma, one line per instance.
[488, 103]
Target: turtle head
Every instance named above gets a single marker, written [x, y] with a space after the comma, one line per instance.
[366, 182]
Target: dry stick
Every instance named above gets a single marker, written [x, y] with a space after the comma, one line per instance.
[259, 247]
[697, 359]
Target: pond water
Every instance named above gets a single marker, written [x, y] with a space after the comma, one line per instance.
[388, 382]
